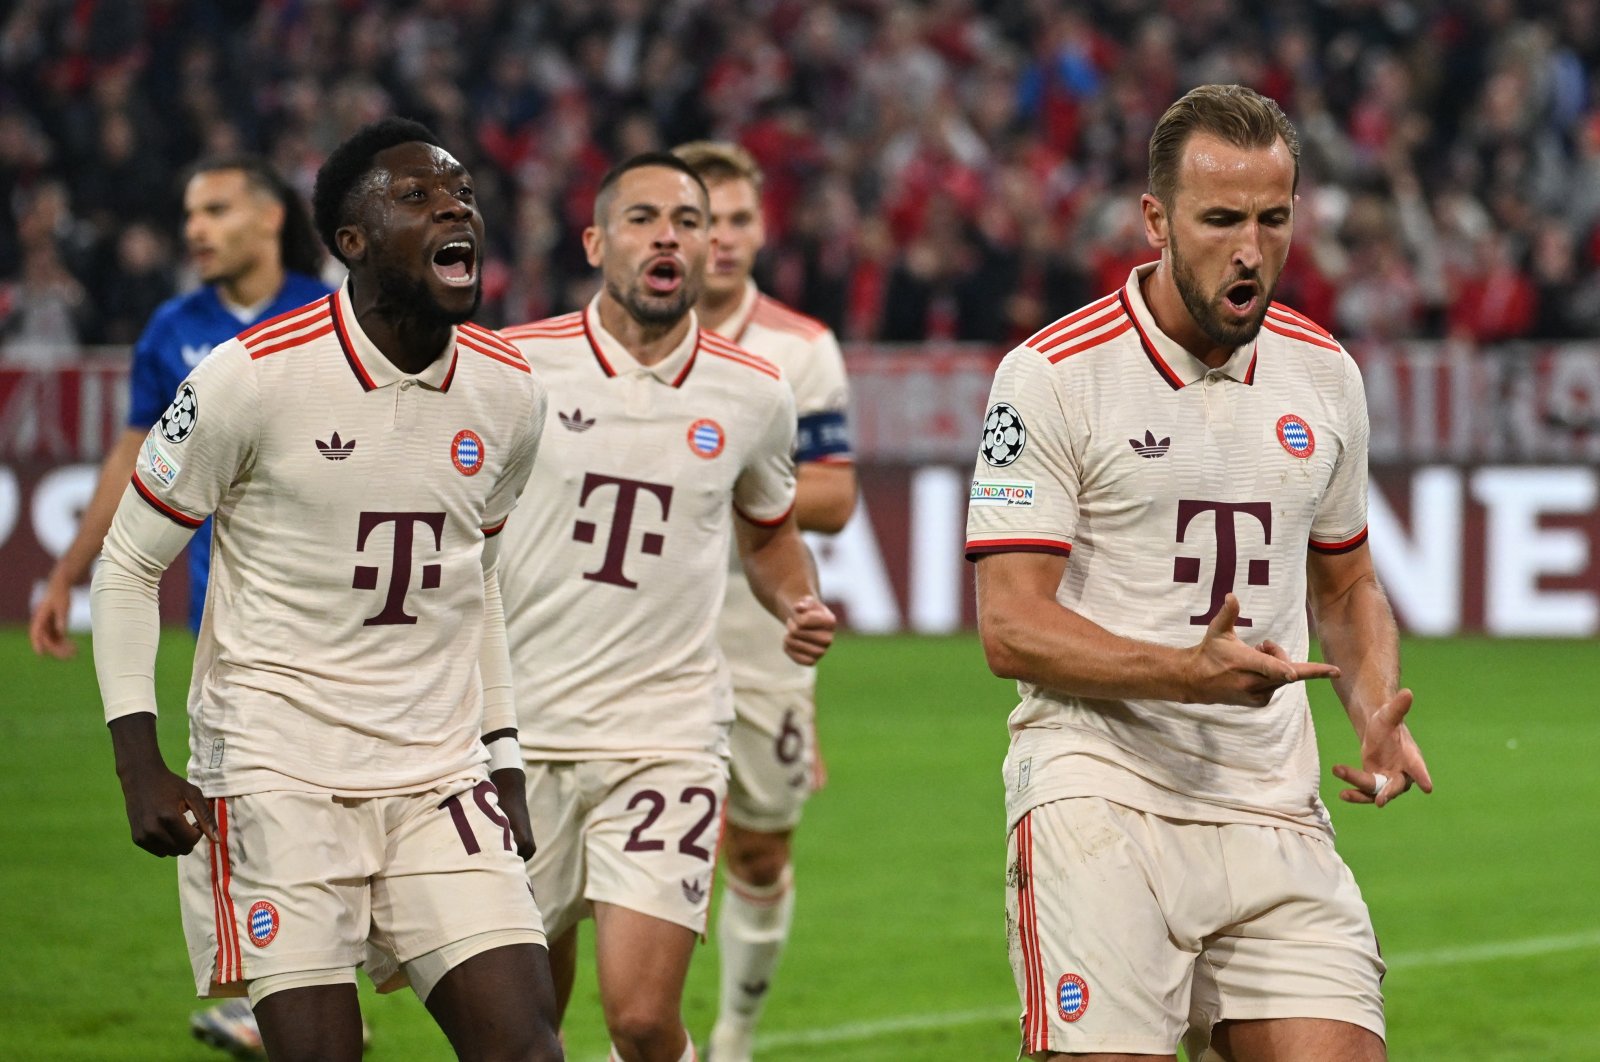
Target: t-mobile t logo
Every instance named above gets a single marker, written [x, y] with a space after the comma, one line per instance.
[394, 605]
[628, 490]
[1187, 569]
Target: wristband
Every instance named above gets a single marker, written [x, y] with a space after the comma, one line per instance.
[505, 754]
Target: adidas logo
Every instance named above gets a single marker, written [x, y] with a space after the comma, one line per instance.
[1150, 447]
[693, 891]
[574, 421]
[334, 450]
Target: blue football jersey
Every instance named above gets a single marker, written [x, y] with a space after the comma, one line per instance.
[181, 332]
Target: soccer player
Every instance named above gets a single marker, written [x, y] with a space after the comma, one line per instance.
[359, 455]
[775, 763]
[1168, 476]
[668, 441]
[253, 247]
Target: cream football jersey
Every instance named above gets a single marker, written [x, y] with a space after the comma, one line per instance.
[613, 581]
[339, 648]
[1168, 485]
[807, 352]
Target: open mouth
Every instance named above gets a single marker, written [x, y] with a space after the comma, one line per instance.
[1241, 297]
[456, 263]
[663, 276]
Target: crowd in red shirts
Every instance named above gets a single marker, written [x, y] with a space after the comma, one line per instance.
[948, 169]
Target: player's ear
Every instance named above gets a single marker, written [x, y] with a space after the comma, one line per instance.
[593, 243]
[352, 242]
[1156, 232]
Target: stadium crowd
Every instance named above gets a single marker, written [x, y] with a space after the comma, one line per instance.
[950, 169]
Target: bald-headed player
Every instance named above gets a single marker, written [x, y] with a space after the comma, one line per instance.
[776, 763]
[354, 795]
[666, 444]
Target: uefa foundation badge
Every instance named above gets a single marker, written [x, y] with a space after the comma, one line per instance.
[1295, 435]
[1072, 997]
[263, 923]
[706, 438]
[466, 452]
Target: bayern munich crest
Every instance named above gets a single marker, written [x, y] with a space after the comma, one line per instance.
[1295, 435]
[262, 923]
[1003, 435]
[1072, 997]
[466, 452]
[706, 438]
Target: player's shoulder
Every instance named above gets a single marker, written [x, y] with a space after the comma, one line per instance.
[772, 314]
[1298, 333]
[725, 357]
[1072, 340]
[180, 312]
[476, 340]
[290, 330]
[302, 288]
[558, 329]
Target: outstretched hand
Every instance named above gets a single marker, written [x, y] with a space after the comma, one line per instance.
[808, 632]
[47, 627]
[1224, 670]
[1390, 759]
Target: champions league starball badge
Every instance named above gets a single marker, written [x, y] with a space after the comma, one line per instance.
[178, 421]
[1003, 435]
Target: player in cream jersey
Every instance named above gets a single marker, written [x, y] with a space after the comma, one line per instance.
[1167, 479]
[667, 443]
[359, 456]
[616, 577]
[776, 763]
[1174, 485]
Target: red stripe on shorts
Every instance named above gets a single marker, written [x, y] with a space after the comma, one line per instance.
[230, 964]
[1036, 1027]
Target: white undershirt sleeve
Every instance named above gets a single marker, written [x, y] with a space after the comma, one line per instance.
[123, 607]
[494, 656]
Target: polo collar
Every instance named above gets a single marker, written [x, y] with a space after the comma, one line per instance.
[738, 322]
[616, 360]
[369, 364]
[1171, 361]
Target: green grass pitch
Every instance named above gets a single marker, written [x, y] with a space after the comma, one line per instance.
[1486, 895]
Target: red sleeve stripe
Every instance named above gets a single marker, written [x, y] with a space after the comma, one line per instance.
[1293, 332]
[764, 523]
[492, 339]
[250, 333]
[1045, 334]
[297, 341]
[723, 349]
[566, 324]
[467, 340]
[1108, 316]
[979, 547]
[1353, 542]
[1090, 344]
[771, 312]
[1300, 318]
[495, 529]
[300, 321]
[181, 519]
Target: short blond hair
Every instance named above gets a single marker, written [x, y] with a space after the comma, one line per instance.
[716, 161]
[1233, 113]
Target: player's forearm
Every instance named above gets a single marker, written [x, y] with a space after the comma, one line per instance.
[124, 612]
[134, 747]
[825, 496]
[1358, 634]
[780, 569]
[115, 472]
[1058, 649]
[494, 658]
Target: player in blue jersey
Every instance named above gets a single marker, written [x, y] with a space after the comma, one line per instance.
[252, 244]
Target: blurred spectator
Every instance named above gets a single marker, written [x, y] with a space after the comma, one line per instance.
[937, 168]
